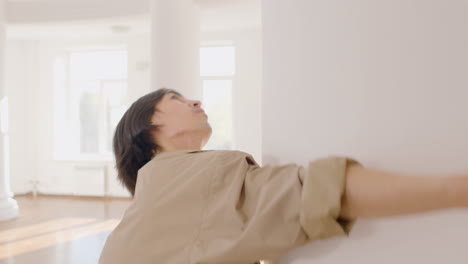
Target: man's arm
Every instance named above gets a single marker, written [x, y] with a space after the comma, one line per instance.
[375, 193]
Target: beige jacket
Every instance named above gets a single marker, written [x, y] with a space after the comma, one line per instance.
[220, 207]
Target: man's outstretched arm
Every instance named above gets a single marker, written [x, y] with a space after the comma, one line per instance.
[373, 193]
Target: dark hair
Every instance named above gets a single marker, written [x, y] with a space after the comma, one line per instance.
[134, 145]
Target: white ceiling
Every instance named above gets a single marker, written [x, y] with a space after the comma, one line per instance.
[95, 28]
[36, 11]
[32, 19]
[219, 15]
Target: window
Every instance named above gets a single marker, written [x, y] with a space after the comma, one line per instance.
[217, 70]
[90, 89]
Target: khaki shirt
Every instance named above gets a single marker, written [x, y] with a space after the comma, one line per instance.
[220, 206]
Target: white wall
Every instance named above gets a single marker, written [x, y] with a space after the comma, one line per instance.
[30, 88]
[2, 44]
[21, 79]
[381, 81]
[247, 85]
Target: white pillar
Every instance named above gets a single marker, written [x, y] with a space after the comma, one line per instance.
[175, 46]
[8, 206]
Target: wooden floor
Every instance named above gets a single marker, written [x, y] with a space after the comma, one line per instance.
[59, 230]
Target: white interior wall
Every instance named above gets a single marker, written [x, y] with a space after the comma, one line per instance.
[247, 85]
[4, 177]
[2, 45]
[21, 79]
[381, 81]
[30, 86]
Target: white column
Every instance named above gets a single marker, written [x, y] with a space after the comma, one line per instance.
[175, 46]
[8, 206]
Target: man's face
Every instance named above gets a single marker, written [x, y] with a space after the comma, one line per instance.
[178, 115]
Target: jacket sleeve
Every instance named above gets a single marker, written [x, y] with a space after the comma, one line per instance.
[323, 185]
[290, 205]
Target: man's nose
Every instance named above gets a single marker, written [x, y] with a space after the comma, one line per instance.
[197, 103]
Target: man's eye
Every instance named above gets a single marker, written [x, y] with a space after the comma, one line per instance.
[177, 97]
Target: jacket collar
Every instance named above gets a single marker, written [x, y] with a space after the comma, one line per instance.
[176, 153]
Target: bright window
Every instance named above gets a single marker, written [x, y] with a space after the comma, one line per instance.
[217, 69]
[92, 86]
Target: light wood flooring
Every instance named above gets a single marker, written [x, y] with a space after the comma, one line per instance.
[59, 229]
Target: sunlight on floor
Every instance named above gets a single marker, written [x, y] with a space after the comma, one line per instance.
[34, 237]
[11, 235]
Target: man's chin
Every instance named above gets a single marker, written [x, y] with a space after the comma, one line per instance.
[209, 132]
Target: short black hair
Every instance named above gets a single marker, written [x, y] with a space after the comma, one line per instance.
[133, 142]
